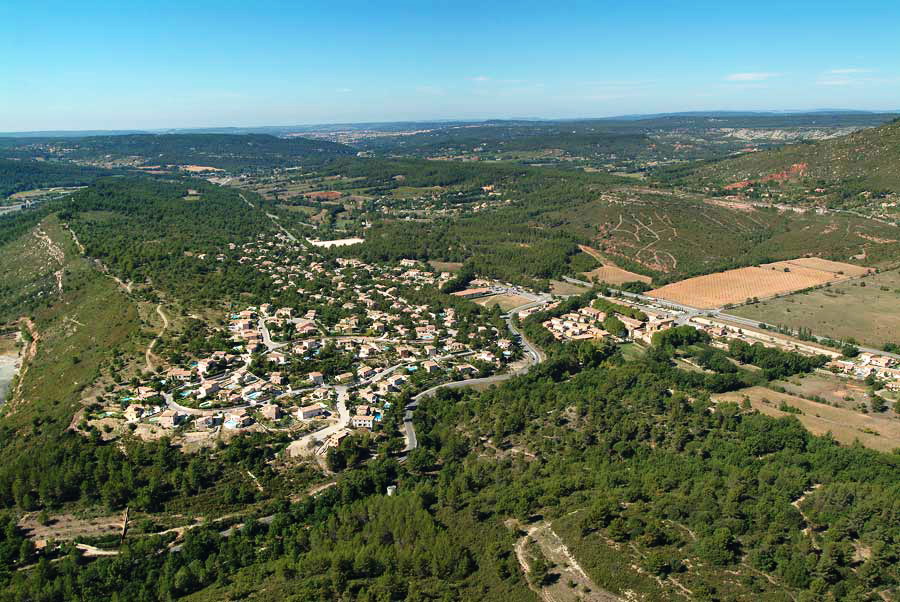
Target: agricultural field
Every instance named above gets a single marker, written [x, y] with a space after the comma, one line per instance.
[876, 431]
[866, 310]
[767, 280]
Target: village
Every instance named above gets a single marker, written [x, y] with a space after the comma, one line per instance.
[586, 323]
[358, 339]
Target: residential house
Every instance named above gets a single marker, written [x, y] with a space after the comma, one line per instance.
[362, 421]
[310, 411]
[271, 411]
[171, 418]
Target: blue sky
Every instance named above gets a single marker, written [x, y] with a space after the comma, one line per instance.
[104, 65]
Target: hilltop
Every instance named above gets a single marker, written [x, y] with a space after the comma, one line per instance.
[867, 158]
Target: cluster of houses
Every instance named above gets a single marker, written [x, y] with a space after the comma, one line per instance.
[360, 310]
[883, 367]
[580, 325]
[867, 364]
[586, 324]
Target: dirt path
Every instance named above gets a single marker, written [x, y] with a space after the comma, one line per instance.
[75, 239]
[28, 353]
[148, 355]
[796, 504]
[55, 252]
[565, 566]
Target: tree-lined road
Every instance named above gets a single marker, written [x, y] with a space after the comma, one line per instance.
[532, 356]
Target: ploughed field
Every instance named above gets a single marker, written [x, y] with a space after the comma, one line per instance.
[767, 280]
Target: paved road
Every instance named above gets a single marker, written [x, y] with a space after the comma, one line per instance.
[274, 219]
[532, 357]
[267, 337]
[342, 422]
[689, 312]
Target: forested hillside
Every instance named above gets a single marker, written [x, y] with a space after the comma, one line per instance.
[167, 234]
[657, 491]
[224, 151]
[20, 175]
[868, 158]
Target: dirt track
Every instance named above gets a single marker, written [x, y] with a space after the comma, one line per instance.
[565, 566]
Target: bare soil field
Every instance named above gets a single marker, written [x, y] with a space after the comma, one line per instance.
[866, 310]
[506, 302]
[199, 168]
[876, 431]
[817, 263]
[768, 280]
[609, 272]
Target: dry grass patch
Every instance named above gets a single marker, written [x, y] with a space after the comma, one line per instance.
[506, 302]
[559, 287]
[614, 275]
[876, 431]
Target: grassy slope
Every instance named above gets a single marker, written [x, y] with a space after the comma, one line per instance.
[677, 235]
[78, 330]
[867, 313]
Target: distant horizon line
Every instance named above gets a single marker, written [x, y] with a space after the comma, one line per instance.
[624, 117]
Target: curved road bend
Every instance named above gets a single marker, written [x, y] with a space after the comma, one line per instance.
[532, 357]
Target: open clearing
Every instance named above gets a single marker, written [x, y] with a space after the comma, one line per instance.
[876, 431]
[446, 266]
[559, 287]
[767, 280]
[867, 313]
[835, 390]
[68, 527]
[570, 581]
[506, 302]
[609, 272]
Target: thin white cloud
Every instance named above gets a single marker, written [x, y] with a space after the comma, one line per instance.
[834, 81]
[750, 77]
[854, 76]
[344, 90]
[480, 78]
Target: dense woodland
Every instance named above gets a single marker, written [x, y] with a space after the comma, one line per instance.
[20, 175]
[635, 449]
[223, 151]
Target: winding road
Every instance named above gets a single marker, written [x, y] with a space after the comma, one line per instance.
[532, 357]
